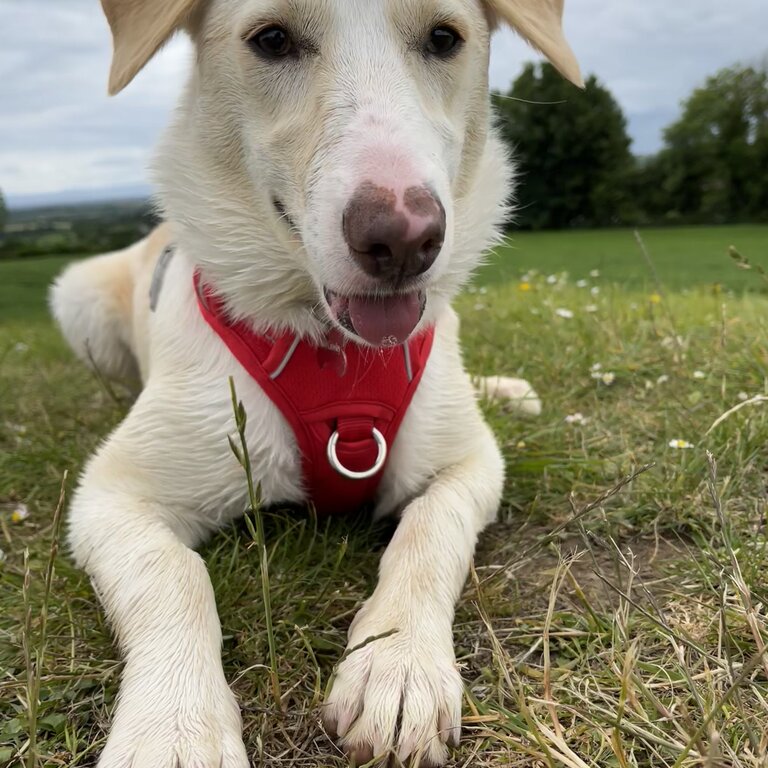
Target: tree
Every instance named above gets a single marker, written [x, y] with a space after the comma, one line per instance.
[572, 150]
[3, 212]
[716, 154]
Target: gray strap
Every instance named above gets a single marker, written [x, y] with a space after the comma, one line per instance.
[408, 364]
[159, 275]
[287, 359]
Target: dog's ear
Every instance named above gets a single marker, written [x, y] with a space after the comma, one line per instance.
[540, 23]
[139, 29]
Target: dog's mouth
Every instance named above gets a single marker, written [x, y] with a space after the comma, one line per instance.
[381, 321]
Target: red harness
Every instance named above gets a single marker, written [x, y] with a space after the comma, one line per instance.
[345, 405]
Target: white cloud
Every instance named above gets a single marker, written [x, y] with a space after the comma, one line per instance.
[49, 170]
[59, 130]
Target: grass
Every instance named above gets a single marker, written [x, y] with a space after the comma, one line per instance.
[606, 622]
[685, 257]
[22, 281]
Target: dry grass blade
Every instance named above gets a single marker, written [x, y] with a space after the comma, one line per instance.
[501, 657]
[35, 661]
[257, 533]
[577, 516]
[561, 573]
[736, 408]
[750, 612]
[718, 706]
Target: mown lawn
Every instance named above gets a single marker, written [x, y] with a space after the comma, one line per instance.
[604, 625]
[22, 287]
[683, 257]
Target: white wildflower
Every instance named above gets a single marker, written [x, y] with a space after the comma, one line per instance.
[668, 342]
[681, 444]
[552, 279]
[20, 513]
[565, 313]
[742, 396]
[596, 367]
[595, 273]
[581, 283]
[663, 379]
[576, 418]
[606, 377]
[699, 375]
[594, 290]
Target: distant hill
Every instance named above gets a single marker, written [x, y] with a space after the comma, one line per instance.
[78, 197]
[75, 228]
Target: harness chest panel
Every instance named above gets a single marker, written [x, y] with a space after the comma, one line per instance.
[344, 404]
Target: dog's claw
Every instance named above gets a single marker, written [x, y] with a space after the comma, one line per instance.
[396, 696]
[361, 755]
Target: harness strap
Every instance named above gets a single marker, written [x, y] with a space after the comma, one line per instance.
[158, 276]
[344, 405]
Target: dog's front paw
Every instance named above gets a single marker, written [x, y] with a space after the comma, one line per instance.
[181, 724]
[517, 393]
[399, 694]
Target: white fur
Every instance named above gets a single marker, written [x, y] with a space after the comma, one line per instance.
[518, 393]
[166, 479]
[94, 318]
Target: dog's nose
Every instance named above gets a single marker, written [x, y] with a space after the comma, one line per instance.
[394, 236]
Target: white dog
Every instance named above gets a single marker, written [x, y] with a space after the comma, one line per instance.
[330, 181]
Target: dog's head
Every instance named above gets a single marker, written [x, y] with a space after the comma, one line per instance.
[332, 161]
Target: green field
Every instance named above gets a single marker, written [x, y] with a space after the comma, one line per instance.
[22, 286]
[608, 624]
[683, 258]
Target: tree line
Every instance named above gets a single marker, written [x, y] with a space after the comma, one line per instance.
[576, 168]
[77, 229]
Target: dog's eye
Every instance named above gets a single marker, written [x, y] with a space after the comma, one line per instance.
[443, 41]
[273, 42]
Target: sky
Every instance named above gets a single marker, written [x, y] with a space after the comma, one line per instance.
[60, 132]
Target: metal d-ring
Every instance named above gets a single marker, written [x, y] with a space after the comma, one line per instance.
[333, 459]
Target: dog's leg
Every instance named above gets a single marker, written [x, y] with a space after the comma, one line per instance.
[403, 692]
[92, 303]
[175, 709]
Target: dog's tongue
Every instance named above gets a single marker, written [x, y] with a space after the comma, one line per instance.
[387, 321]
